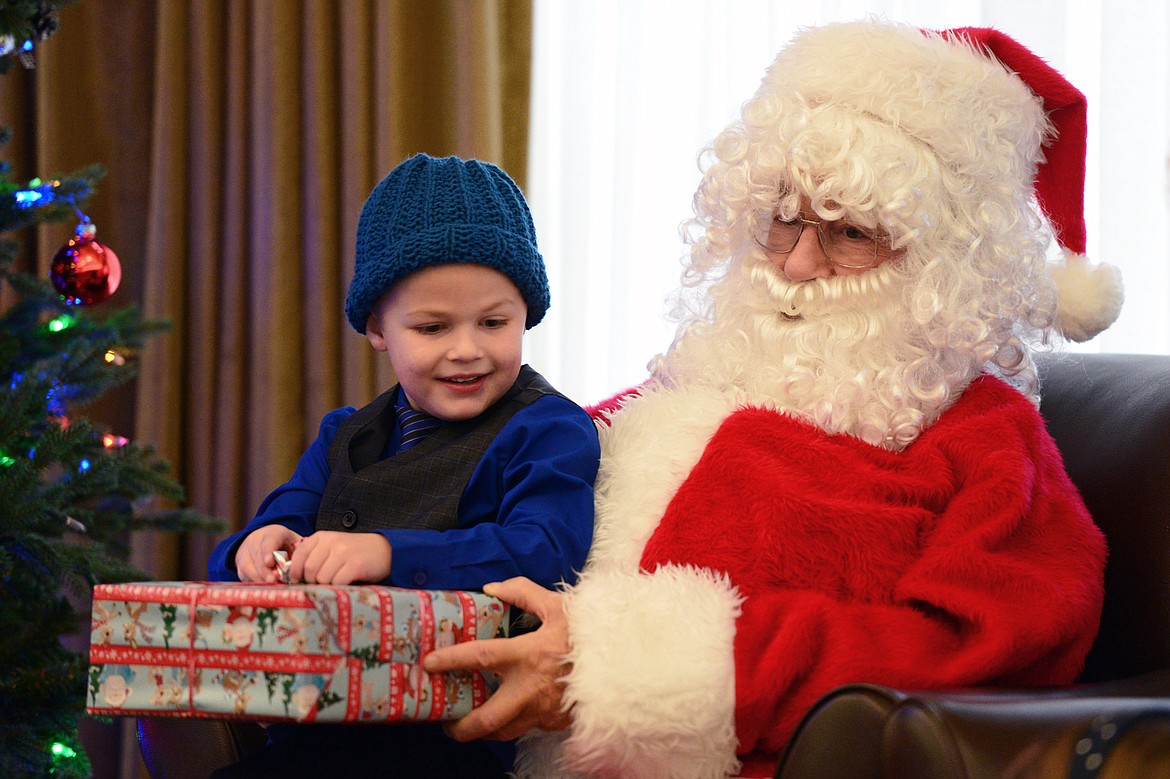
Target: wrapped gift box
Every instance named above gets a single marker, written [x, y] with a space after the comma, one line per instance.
[278, 652]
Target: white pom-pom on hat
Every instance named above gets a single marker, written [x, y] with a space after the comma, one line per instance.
[1090, 296]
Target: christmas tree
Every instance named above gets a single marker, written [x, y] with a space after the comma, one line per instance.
[71, 491]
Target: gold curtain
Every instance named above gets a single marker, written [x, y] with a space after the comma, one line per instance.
[241, 138]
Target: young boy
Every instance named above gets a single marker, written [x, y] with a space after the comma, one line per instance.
[471, 469]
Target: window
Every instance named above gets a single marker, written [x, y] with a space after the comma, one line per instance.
[626, 94]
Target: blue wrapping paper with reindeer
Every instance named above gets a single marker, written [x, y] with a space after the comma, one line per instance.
[279, 652]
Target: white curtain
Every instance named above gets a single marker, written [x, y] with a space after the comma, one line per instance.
[627, 92]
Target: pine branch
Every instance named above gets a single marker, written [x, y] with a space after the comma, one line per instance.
[73, 494]
[27, 23]
[37, 201]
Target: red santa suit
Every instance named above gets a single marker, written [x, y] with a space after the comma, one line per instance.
[746, 562]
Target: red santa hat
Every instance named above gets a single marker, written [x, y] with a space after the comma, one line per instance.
[1090, 296]
[1000, 121]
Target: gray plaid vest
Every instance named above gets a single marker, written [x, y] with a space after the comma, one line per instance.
[421, 487]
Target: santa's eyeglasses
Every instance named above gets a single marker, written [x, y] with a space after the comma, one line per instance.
[845, 244]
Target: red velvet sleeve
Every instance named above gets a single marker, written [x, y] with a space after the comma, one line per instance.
[969, 558]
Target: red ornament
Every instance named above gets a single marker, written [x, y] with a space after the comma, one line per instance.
[85, 271]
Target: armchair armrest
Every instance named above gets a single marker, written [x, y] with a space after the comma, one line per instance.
[865, 731]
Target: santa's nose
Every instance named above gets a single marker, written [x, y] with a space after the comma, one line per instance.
[807, 260]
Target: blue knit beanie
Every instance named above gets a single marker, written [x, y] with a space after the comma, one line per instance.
[434, 211]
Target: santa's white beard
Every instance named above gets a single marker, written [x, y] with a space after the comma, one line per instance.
[841, 353]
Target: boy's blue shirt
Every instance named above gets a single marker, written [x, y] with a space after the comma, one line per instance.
[526, 511]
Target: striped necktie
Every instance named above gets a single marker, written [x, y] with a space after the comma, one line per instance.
[416, 425]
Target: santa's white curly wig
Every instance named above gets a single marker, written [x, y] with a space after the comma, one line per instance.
[923, 136]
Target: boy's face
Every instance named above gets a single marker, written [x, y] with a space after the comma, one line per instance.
[453, 334]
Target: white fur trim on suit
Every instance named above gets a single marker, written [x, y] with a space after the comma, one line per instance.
[655, 441]
[635, 637]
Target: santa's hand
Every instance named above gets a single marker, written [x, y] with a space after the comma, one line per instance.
[334, 557]
[530, 667]
[254, 560]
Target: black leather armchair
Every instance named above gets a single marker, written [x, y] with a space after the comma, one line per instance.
[1110, 415]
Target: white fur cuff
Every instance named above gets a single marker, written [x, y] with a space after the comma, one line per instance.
[653, 678]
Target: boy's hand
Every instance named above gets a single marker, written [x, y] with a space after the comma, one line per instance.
[254, 560]
[333, 557]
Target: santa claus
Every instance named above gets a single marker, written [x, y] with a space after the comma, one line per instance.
[837, 472]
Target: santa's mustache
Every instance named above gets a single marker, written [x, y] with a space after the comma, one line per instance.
[823, 296]
[852, 361]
